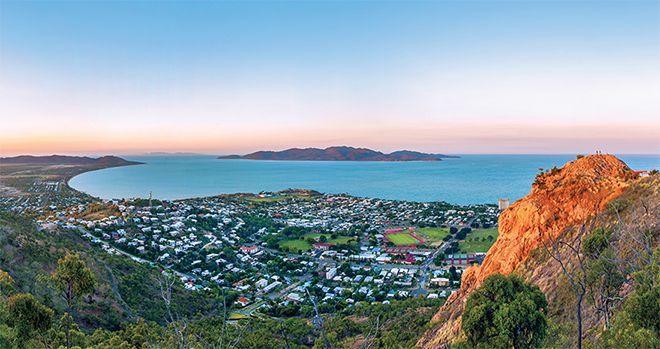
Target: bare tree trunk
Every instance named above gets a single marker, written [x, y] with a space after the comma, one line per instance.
[67, 331]
[166, 282]
[579, 321]
[69, 301]
[577, 278]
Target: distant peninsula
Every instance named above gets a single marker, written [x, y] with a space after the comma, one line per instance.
[339, 154]
[103, 161]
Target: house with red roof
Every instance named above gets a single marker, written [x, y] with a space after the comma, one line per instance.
[249, 249]
[400, 249]
[393, 230]
[243, 301]
[322, 246]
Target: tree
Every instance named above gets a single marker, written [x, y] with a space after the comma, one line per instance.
[452, 248]
[179, 325]
[643, 305]
[637, 324]
[604, 280]
[563, 250]
[603, 275]
[29, 318]
[6, 283]
[453, 275]
[73, 279]
[462, 234]
[439, 258]
[505, 312]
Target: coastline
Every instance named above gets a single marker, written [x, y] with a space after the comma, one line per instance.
[66, 179]
[473, 179]
[34, 178]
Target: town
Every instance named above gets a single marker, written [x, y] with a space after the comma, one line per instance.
[280, 251]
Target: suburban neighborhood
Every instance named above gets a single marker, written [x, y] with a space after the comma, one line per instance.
[276, 250]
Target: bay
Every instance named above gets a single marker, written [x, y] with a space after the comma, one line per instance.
[470, 179]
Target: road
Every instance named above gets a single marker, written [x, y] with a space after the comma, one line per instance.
[421, 289]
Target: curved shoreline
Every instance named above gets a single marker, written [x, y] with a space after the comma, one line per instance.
[478, 180]
[68, 178]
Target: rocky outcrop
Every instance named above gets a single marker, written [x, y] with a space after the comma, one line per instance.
[560, 198]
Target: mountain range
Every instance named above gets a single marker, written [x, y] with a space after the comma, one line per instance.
[342, 153]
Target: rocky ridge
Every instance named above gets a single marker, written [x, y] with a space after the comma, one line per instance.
[559, 199]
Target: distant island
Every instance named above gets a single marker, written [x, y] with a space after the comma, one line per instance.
[339, 154]
[178, 153]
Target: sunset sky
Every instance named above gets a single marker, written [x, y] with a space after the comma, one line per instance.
[128, 77]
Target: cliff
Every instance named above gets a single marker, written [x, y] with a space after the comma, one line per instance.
[560, 199]
[339, 154]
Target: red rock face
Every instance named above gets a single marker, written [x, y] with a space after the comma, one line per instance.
[559, 199]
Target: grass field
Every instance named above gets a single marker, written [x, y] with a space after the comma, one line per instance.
[238, 316]
[402, 239]
[296, 244]
[433, 235]
[477, 240]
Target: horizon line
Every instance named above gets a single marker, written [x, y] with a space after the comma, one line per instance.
[192, 153]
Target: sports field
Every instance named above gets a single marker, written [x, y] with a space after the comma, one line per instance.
[402, 239]
[433, 234]
[294, 245]
[479, 240]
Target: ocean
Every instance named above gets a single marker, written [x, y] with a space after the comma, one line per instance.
[471, 179]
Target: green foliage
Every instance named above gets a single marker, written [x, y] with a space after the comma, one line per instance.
[643, 305]
[6, 283]
[505, 312]
[637, 325]
[594, 243]
[643, 308]
[27, 317]
[439, 258]
[399, 324]
[73, 278]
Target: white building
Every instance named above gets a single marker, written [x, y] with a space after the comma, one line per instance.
[331, 273]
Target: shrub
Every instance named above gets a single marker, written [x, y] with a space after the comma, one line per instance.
[505, 312]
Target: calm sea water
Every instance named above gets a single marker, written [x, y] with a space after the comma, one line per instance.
[468, 180]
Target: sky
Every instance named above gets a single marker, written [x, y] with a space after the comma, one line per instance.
[457, 77]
